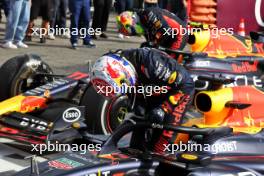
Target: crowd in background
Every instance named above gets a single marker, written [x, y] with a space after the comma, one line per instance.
[21, 15]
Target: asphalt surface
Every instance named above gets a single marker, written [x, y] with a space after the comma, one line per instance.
[59, 55]
[64, 60]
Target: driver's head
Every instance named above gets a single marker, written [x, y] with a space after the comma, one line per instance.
[128, 24]
[111, 74]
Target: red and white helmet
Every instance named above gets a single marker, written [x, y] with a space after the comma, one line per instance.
[111, 73]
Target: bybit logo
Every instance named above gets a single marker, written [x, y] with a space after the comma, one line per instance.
[100, 173]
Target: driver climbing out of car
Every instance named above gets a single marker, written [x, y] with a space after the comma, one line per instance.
[147, 67]
[159, 26]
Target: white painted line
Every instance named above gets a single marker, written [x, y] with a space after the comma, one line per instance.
[8, 166]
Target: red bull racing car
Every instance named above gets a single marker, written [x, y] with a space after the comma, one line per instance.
[37, 103]
[231, 152]
[39, 106]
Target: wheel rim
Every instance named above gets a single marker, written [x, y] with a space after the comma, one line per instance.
[122, 111]
[32, 81]
[116, 113]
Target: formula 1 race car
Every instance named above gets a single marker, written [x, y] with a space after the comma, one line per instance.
[231, 150]
[38, 105]
[227, 140]
[209, 73]
[215, 60]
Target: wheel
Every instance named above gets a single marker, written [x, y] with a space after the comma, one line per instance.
[21, 73]
[103, 115]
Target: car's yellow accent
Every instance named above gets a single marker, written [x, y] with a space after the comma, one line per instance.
[11, 105]
[217, 111]
[22, 104]
[189, 156]
[172, 77]
[172, 100]
[202, 39]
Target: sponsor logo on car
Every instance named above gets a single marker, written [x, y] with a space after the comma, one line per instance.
[64, 164]
[202, 63]
[100, 173]
[239, 80]
[35, 124]
[71, 115]
[45, 90]
[245, 67]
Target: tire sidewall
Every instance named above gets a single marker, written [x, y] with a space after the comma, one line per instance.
[98, 109]
[16, 67]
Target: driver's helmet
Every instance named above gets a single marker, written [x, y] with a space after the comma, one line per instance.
[112, 74]
[128, 24]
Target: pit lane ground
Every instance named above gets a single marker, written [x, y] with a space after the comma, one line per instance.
[59, 55]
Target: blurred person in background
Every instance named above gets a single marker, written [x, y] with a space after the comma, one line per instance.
[80, 8]
[178, 7]
[17, 23]
[4, 4]
[124, 5]
[150, 3]
[163, 4]
[59, 16]
[43, 8]
[101, 14]
[121, 6]
[138, 4]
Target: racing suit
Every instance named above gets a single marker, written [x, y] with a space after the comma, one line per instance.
[157, 68]
[163, 28]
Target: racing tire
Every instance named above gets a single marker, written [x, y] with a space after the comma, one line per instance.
[103, 115]
[19, 74]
